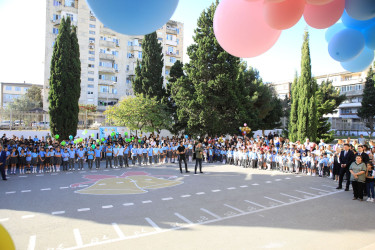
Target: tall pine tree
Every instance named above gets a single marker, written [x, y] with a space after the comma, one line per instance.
[148, 73]
[64, 82]
[304, 94]
[293, 120]
[211, 98]
[367, 110]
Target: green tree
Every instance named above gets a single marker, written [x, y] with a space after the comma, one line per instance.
[328, 99]
[213, 97]
[293, 120]
[304, 93]
[367, 111]
[148, 74]
[34, 93]
[23, 104]
[140, 113]
[176, 73]
[273, 118]
[64, 82]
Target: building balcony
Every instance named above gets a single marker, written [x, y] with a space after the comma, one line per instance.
[172, 43]
[107, 70]
[108, 96]
[107, 56]
[66, 8]
[56, 22]
[107, 44]
[168, 63]
[353, 93]
[107, 31]
[135, 48]
[106, 82]
[351, 105]
[171, 31]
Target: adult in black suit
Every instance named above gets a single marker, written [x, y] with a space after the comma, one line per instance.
[3, 158]
[365, 157]
[346, 158]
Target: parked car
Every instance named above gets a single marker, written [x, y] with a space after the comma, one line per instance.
[19, 123]
[5, 124]
[40, 125]
[96, 125]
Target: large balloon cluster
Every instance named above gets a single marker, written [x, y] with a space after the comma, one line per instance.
[245, 130]
[248, 28]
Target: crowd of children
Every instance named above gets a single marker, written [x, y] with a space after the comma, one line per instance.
[264, 153]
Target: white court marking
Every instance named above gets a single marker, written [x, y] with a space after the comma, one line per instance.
[291, 196]
[25, 191]
[320, 190]
[78, 237]
[32, 242]
[45, 189]
[185, 196]
[216, 190]
[200, 193]
[64, 187]
[203, 222]
[255, 184]
[167, 199]
[231, 188]
[12, 192]
[28, 216]
[274, 200]
[210, 213]
[244, 186]
[83, 209]
[256, 204]
[183, 218]
[145, 202]
[118, 231]
[153, 224]
[236, 209]
[4, 219]
[305, 193]
[108, 206]
[128, 204]
[58, 212]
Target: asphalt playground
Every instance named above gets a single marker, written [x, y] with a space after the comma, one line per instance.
[156, 207]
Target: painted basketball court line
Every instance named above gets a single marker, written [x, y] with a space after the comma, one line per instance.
[186, 223]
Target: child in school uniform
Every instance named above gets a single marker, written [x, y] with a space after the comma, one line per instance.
[41, 159]
[52, 159]
[290, 162]
[90, 157]
[13, 160]
[230, 156]
[235, 156]
[321, 163]
[7, 161]
[58, 159]
[22, 161]
[28, 161]
[65, 159]
[34, 160]
[72, 158]
[370, 174]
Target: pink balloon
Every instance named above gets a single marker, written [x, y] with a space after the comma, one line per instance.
[241, 30]
[319, 2]
[324, 16]
[283, 15]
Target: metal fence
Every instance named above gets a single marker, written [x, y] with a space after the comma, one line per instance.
[39, 120]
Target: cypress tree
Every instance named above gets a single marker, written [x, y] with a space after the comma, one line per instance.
[367, 110]
[306, 114]
[64, 82]
[148, 74]
[293, 120]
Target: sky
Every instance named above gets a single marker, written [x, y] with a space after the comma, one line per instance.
[22, 43]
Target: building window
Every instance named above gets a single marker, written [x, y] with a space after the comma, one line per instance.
[91, 58]
[8, 88]
[55, 31]
[91, 66]
[17, 88]
[140, 54]
[177, 52]
[170, 50]
[114, 78]
[130, 55]
[90, 79]
[92, 26]
[127, 67]
[90, 100]
[104, 89]
[160, 39]
[115, 53]
[90, 92]
[91, 86]
[91, 32]
[167, 72]
[91, 72]
[114, 91]
[56, 3]
[178, 41]
[69, 3]
[91, 52]
[25, 89]
[53, 44]
[130, 43]
[172, 59]
[70, 16]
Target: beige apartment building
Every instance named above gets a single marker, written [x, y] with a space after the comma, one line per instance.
[108, 58]
[10, 91]
[344, 120]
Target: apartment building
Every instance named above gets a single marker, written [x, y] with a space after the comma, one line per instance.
[10, 91]
[108, 58]
[344, 120]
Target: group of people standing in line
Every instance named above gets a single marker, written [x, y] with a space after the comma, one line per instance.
[353, 161]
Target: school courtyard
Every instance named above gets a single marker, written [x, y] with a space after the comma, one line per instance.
[156, 207]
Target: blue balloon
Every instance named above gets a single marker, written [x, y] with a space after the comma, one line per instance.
[133, 17]
[186, 136]
[360, 9]
[354, 23]
[369, 34]
[361, 62]
[346, 45]
[331, 31]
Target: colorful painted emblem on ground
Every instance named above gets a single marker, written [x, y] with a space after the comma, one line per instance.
[127, 183]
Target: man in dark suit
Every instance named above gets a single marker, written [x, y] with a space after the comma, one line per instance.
[365, 157]
[346, 158]
[3, 158]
